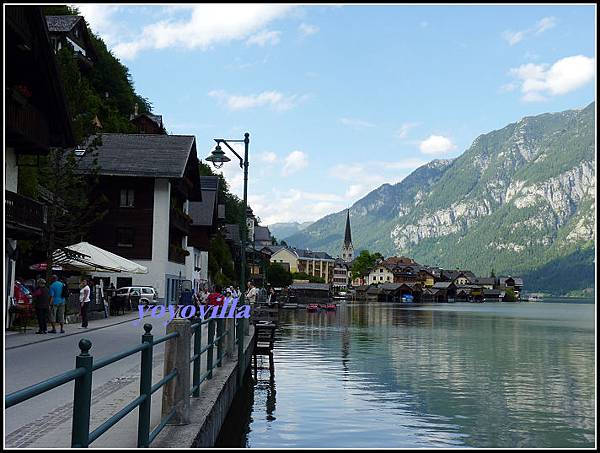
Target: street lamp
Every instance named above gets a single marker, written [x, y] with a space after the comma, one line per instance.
[218, 158]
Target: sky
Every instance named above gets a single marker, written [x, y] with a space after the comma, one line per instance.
[341, 99]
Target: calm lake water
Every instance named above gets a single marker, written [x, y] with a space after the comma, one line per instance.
[381, 375]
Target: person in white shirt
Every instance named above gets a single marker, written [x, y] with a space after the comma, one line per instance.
[251, 294]
[84, 302]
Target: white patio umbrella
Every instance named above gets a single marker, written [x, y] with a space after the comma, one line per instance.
[87, 257]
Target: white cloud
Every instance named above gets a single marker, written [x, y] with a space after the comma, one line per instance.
[436, 144]
[101, 20]
[267, 157]
[356, 123]
[273, 99]
[294, 162]
[544, 24]
[206, 26]
[405, 129]
[515, 37]
[538, 81]
[264, 37]
[294, 205]
[307, 29]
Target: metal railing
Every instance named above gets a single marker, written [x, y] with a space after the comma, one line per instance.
[85, 366]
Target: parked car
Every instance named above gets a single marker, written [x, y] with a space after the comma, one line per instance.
[134, 295]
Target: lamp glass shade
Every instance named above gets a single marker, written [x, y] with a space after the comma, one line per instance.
[217, 156]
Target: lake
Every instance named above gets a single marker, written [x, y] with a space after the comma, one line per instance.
[443, 375]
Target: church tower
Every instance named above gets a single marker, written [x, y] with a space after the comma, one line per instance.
[348, 248]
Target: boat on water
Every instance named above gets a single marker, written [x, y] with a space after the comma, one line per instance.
[329, 307]
[312, 307]
[535, 297]
[289, 305]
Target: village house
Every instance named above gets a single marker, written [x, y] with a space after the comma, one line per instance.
[147, 123]
[36, 119]
[341, 274]
[316, 264]
[457, 277]
[72, 31]
[149, 181]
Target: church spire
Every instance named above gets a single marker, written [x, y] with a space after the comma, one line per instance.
[348, 248]
[348, 236]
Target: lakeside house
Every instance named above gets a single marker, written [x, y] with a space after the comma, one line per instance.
[149, 181]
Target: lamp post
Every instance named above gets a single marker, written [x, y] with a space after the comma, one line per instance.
[218, 158]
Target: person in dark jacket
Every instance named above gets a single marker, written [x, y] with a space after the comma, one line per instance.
[41, 304]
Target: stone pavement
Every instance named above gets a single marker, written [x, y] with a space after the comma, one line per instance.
[53, 429]
[14, 340]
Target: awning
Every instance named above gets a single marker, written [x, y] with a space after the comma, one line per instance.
[87, 257]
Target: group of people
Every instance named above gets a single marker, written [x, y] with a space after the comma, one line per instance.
[49, 302]
[219, 294]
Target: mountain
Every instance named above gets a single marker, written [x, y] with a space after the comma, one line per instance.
[284, 229]
[520, 200]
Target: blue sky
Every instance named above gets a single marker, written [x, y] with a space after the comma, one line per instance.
[341, 99]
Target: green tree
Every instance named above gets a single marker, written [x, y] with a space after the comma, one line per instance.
[364, 261]
[278, 275]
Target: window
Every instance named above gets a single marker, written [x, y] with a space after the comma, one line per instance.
[125, 237]
[126, 198]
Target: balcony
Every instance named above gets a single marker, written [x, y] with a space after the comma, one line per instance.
[26, 126]
[180, 221]
[177, 254]
[25, 218]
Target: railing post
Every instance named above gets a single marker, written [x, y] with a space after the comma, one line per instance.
[230, 339]
[145, 389]
[198, 361]
[176, 392]
[219, 342]
[240, 357]
[82, 399]
[209, 351]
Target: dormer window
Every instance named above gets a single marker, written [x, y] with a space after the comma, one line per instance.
[126, 198]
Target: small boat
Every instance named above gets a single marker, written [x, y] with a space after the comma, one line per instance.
[312, 307]
[330, 307]
[535, 297]
[289, 305]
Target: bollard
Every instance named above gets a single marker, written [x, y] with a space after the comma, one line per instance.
[211, 347]
[145, 389]
[197, 362]
[82, 399]
[220, 332]
[176, 393]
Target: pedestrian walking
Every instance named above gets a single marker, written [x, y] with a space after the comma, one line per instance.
[84, 302]
[58, 292]
[41, 304]
[272, 300]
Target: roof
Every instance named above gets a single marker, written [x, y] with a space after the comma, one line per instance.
[62, 23]
[484, 281]
[150, 155]
[262, 233]
[202, 212]
[313, 286]
[157, 119]
[442, 285]
[304, 253]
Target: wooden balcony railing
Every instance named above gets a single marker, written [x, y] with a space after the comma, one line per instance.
[25, 217]
[25, 124]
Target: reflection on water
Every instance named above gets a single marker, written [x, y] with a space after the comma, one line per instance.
[380, 375]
